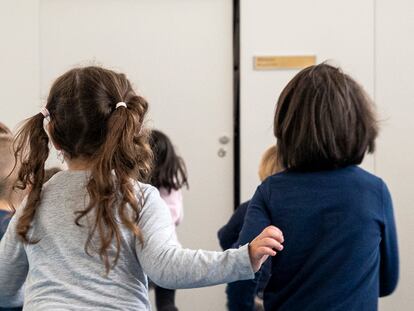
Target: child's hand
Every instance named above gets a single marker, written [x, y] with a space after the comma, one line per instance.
[265, 245]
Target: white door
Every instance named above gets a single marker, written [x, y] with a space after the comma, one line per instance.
[341, 32]
[178, 54]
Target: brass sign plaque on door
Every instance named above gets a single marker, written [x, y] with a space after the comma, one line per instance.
[283, 62]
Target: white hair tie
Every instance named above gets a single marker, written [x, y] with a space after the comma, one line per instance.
[121, 104]
[45, 113]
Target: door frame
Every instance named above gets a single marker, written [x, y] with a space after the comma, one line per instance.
[236, 102]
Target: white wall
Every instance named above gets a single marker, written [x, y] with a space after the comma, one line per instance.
[19, 56]
[394, 93]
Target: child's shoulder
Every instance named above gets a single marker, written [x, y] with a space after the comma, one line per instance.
[276, 181]
[348, 176]
[147, 191]
[360, 176]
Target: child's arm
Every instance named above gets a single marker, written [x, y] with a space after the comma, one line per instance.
[229, 233]
[255, 220]
[389, 267]
[13, 267]
[170, 266]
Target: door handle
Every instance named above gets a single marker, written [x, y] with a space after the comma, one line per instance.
[224, 140]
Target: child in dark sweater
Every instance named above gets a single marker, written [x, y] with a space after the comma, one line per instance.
[340, 250]
[229, 234]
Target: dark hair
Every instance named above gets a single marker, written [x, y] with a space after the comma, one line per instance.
[50, 172]
[324, 120]
[169, 170]
[85, 124]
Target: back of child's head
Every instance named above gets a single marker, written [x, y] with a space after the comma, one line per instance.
[6, 162]
[269, 163]
[169, 170]
[324, 120]
[84, 123]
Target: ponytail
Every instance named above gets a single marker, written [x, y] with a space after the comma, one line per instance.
[124, 156]
[87, 125]
[31, 150]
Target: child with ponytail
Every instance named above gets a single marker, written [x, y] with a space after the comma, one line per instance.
[89, 237]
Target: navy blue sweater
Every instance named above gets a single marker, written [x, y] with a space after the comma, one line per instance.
[340, 250]
[228, 235]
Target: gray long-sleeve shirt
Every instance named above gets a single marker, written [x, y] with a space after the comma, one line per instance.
[59, 275]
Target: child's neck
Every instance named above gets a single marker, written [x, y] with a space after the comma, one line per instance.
[4, 205]
[78, 165]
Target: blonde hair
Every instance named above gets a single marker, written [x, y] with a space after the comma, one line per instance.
[269, 163]
[6, 162]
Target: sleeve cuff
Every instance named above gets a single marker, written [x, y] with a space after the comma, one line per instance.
[246, 269]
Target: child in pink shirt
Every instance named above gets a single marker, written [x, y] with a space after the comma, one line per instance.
[174, 200]
[169, 175]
